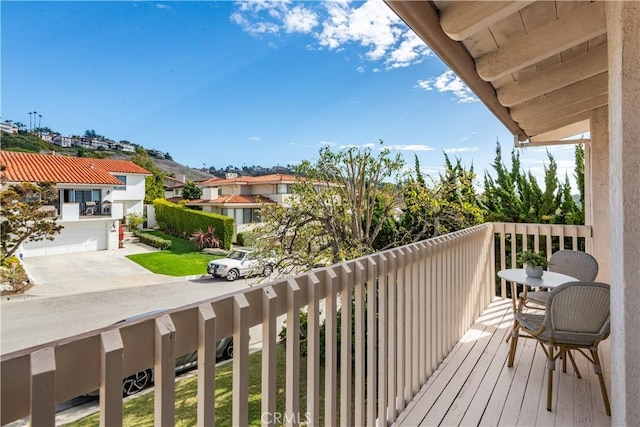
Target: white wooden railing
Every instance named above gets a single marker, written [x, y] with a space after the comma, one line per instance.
[411, 306]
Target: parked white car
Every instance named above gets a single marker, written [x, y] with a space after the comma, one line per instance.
[240, 263]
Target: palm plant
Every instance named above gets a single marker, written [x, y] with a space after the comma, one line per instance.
[205, 239]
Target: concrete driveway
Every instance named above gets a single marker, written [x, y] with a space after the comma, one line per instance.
[67, 274]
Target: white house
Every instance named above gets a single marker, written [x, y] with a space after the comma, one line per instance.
[93, 196]
[8, 127]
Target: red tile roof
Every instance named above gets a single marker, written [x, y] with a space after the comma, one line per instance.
[247, 180]
[30, 167]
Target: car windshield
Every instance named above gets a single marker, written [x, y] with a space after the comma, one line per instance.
[238, 255]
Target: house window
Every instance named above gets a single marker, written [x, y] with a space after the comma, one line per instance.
[250, 215]
[123, 180]
[283, 189]
[246, 216]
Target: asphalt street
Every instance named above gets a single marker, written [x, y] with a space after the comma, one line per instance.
[81, 292]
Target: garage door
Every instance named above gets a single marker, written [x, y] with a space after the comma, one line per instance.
[80, 236]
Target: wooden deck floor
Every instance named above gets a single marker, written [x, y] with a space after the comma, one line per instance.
[473, 386]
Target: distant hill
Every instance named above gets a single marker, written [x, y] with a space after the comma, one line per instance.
[170, 167]
[28, 142]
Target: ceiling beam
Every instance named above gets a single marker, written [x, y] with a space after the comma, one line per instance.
[568, 131]
[520, 144]
[557, 124]
[463, 19]
[553, 115]
[423, 19]
[555, 77]
[562, 98]
[542, 42]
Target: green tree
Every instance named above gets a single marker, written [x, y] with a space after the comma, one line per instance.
[442, 205]
[191, 191]
[501, 196]
[22, 216]
[338, 209]
[154, 184]
[515, 196]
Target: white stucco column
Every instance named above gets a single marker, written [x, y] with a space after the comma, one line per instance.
[597, 208]
[623, 28]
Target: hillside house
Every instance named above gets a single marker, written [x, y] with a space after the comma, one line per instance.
[93, 196]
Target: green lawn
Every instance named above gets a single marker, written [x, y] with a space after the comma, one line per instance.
[139, 411]
[182, 259]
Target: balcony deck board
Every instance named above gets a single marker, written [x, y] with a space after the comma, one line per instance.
[473, 386]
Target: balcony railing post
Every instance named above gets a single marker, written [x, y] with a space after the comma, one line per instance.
[240, 360]
[111, 363]
[383, 330]
[43, 387]
[331, 349]
[371, 337]
[292, 404]
[164, 371]
[206, 365]
[269, 319]
[346, 283]
[392, 287]
[400, 330]
[359, 358]
[313, 351]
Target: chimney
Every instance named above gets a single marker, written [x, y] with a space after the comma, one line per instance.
[184, 178]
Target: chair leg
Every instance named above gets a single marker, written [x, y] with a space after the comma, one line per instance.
[573, 362]
[512, 347]
[551, 366]
[598, 370]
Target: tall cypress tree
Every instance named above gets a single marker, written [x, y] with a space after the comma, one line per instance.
[516, 196]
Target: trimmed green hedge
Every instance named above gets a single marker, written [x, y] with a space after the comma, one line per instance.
[151, 240]
[182, 221]
[246, 238]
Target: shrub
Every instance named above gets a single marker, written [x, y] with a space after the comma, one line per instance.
[13, 277]
[151, 240]
[246, 238]
[135, 221]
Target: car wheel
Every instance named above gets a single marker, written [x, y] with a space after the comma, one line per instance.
[136, 382]
[232, 275]
[228, 350]
[266, 272]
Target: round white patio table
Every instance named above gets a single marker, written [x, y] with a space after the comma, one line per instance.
[548, 280]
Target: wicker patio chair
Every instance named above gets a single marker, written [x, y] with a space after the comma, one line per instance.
[576, 317]
[577, 264]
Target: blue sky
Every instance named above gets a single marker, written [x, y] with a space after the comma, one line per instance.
[245, 83]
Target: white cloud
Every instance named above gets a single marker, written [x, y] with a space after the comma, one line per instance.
[411, 147]
[162, 6]
[336, 23]
[254, 28]
[371, 25]
[449, 82]
[255, 139]
[411, 50]
[300, 20]
[460, 150]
